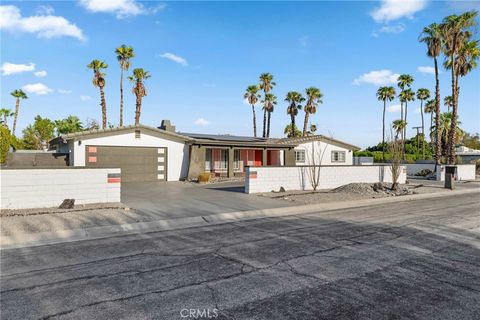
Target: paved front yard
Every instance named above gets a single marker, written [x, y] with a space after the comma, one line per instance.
[405, 260]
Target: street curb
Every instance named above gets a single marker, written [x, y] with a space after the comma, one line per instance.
[45, 238]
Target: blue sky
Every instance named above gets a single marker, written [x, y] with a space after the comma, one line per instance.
[202, 56]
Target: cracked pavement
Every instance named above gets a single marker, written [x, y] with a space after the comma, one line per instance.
[406, 260]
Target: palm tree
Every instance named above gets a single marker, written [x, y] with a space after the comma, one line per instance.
[432, 36]
[5, 114]
[430, 107]
[294, 99]
[384, 94]
[266, 84]
[270, 101]
[448, 102]
[444, 130]
[99, 82]
[422, 95]
[406, 96]
[252, 96]
[314, 98]
[124, 54]
[398, 126]
[404, 82]
[456, 32]
[139, 75]
[17, 94]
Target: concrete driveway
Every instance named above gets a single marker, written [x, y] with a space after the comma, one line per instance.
[170, 200]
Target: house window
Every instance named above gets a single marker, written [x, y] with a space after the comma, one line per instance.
[338, 156]
[300, 156]
[137, 134]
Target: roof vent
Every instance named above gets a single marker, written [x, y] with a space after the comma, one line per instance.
[167, 126]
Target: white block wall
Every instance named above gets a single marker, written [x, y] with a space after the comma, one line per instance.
[413, 168]
[298, 178]
[42, 188]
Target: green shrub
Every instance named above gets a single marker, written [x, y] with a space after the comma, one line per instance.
[5, 141]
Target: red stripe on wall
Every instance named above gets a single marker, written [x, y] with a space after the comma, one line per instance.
[114, 180]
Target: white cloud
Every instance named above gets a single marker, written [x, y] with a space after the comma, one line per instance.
[43, 26]
[64, 91]
[394, 108]
[45, 10]
[202, 122]
[37, 88]
[121, 8]
[40, 74]
[85, 98]
[8, 68]
[424, 69]
[391, 10]
[174, 58]
[380, 77]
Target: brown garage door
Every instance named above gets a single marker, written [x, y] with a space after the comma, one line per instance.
[136, 163]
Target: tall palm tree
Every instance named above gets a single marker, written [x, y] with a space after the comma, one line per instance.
[270, 101]
[5, 114]
[17, 94]
[404, 82]
[294, 99]
[448, 102]
[398, 126]
[456, 30]
[266, 84]
[314, 98]
[252, 96]
[433, 38]
[99, 82]
[422, 95]
[385, 94]
[139, 76]
[406, 96]
[430, 107]
[124, 54]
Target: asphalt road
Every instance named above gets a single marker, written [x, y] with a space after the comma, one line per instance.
[408, 260]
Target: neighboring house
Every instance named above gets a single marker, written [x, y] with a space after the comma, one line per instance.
[160, 154]
[321, 150]
[468, 155]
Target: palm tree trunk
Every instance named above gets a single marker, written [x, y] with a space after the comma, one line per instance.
[383, 130]
[269, 113]
[254, 121]
[453, 125]
[139, 110]
[292, 116]
[305, 123]
[438, 138]
[401, 117]
[423, 130]
[264, 121]
[121, 98]
[17, 108]
[405, 131]
[103, 104]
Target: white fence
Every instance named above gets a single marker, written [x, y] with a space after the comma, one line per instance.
[265, 179]
[41, 188]
[464, 171]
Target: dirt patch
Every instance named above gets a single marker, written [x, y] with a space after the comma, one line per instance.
[55, 210]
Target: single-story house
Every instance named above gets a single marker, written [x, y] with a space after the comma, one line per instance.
[146, 153]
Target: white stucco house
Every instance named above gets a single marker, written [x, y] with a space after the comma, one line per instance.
[146, 153]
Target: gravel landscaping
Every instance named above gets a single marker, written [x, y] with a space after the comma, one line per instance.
[350, 192]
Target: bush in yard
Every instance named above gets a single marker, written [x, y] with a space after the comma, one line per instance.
[5, 141]
[204, 177]
[423, 173]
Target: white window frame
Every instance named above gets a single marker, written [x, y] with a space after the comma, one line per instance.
[300, 152]
[338, 158]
